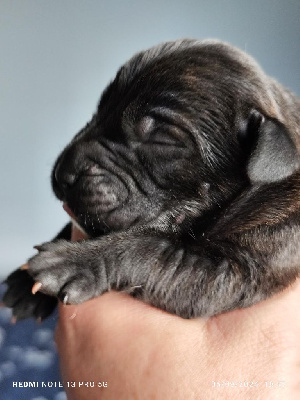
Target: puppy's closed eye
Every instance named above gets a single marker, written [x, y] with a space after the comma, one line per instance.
[164, 135]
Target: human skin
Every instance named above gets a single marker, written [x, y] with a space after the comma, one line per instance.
[145, 353]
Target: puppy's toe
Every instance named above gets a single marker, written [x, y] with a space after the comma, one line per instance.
[38, 307]
[24, 304]
[77, 290]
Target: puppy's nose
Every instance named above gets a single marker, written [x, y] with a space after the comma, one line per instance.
[64, 178]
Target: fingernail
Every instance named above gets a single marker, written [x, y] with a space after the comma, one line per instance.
[36, 287]
[24, 267]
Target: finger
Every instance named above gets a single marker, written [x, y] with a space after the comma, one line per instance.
[77, 234]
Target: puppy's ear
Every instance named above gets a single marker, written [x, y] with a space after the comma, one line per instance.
[273, 154]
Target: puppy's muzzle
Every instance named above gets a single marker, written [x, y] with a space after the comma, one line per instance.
[65, 179]
[87, 187]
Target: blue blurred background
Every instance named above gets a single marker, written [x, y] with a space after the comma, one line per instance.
[56, 57]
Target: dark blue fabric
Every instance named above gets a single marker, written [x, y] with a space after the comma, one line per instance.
[28, 355]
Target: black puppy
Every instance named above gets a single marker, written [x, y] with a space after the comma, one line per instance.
[187, 182]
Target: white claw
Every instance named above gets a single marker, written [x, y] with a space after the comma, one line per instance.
[36, 287]
[65, 300]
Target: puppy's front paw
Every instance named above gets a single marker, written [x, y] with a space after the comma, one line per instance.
[24, 304]
[64, 270]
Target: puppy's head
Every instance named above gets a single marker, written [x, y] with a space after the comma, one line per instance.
[179, 125]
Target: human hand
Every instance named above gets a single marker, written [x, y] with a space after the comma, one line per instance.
[145, 353]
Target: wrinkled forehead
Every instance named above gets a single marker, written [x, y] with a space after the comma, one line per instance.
[184, 74]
